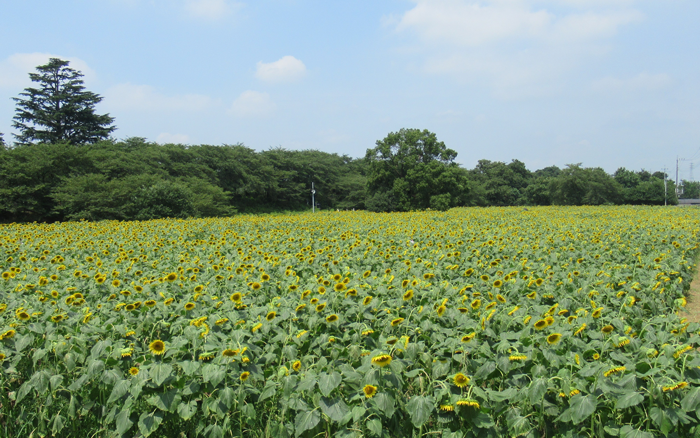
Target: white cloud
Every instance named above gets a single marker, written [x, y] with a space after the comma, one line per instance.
[166, 138]
[15, 69]
[252, 104]
[286, 69]
[209, 9]
[518, 48]
[145, 97]
[641, 82]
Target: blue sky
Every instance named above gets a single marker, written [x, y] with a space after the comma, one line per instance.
[607, 83]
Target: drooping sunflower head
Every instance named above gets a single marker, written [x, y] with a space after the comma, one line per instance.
[381, 360]
[396, 322]
[469, 337]
[229, 352]
[157, 347]
[461, 380]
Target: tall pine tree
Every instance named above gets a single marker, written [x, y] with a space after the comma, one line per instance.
[59, 110]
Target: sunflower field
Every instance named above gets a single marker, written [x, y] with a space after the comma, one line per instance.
[547, 322]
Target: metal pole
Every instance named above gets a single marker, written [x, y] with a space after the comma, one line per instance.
[313, 203]
[665, 189]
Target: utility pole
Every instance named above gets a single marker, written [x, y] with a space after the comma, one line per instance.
[665, 189]
[313, 203]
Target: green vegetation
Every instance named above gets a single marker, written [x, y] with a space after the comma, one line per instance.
[489, 322]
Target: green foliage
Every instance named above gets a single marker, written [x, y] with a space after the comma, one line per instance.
[408, 168]
[690, 189]
[60, 110]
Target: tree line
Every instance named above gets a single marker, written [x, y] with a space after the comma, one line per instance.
[64, 165]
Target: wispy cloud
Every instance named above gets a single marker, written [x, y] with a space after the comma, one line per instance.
[15, 69]
[146, 98]
[252, 104]
[518, 47]
[210, 9]
[166, 138]
[285, 69]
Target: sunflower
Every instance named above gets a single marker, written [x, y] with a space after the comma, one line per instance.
[469, 403]
[171, 277]
[256, 327]
[497, 283]
[270, 316]
[447, 408]
[469, 337]
[23, 316]
[256, 286]
[157, 347]
[313, 301]
[8, 334]
[367, 300]
[116, 283]
[381, 360]
[396, 322]
[134, 371]
[461, 380]
[320, 307]
[441, 310]
[149, 303]
[321, 290]
[332, 318]
[168, 301]
[607, 329]
[553, 338]
[244, 376]
[484, 277]
[532, 295]
[541, 324]
[476, 304]
[57, 318]
[229, 352]
[369, 391]
[539, 281]
[300, 307]
[366, 274]
[500, 298]
[339, 287]
[408, 295]
[469, 272]
[597, 312]
[189, 306]
[296, 365]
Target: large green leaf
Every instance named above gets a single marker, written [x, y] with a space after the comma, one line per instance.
[582, 407]
[629, 399]
[692, 400]
[328, 382]
[335, 408]
[306, 421]
[385, 403]
[374, 426]
[160, 373]
[661, 419]
[187, 410]
[166, 401]
[123, 422]
[149, 422]
[213, 373]
[419, 409]
[630, 432]
[118, 391]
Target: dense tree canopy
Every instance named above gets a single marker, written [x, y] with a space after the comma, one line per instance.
[410, 169]
[59, 110]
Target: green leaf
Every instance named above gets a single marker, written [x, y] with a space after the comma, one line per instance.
[419, 409]
[149, 422]
[160, 373]
[358, 412]
[24, 391]
[187, 410]
[499, 396]
[166, 401]
[661, 419]
[269, 390]
[629, 399]
[57, 424]
[692, 400]
[227, 396]
[213, 374]
[538, 388]
[582, 407]
[483, 421]
[374, 426]
[189, 367]
[55, 381]
[214, 431]
[630, 432]
[328, 382]
[306, 421]
[118, 391]
[308, 383]
[335, 408]
[123, 422]
[385, 403]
